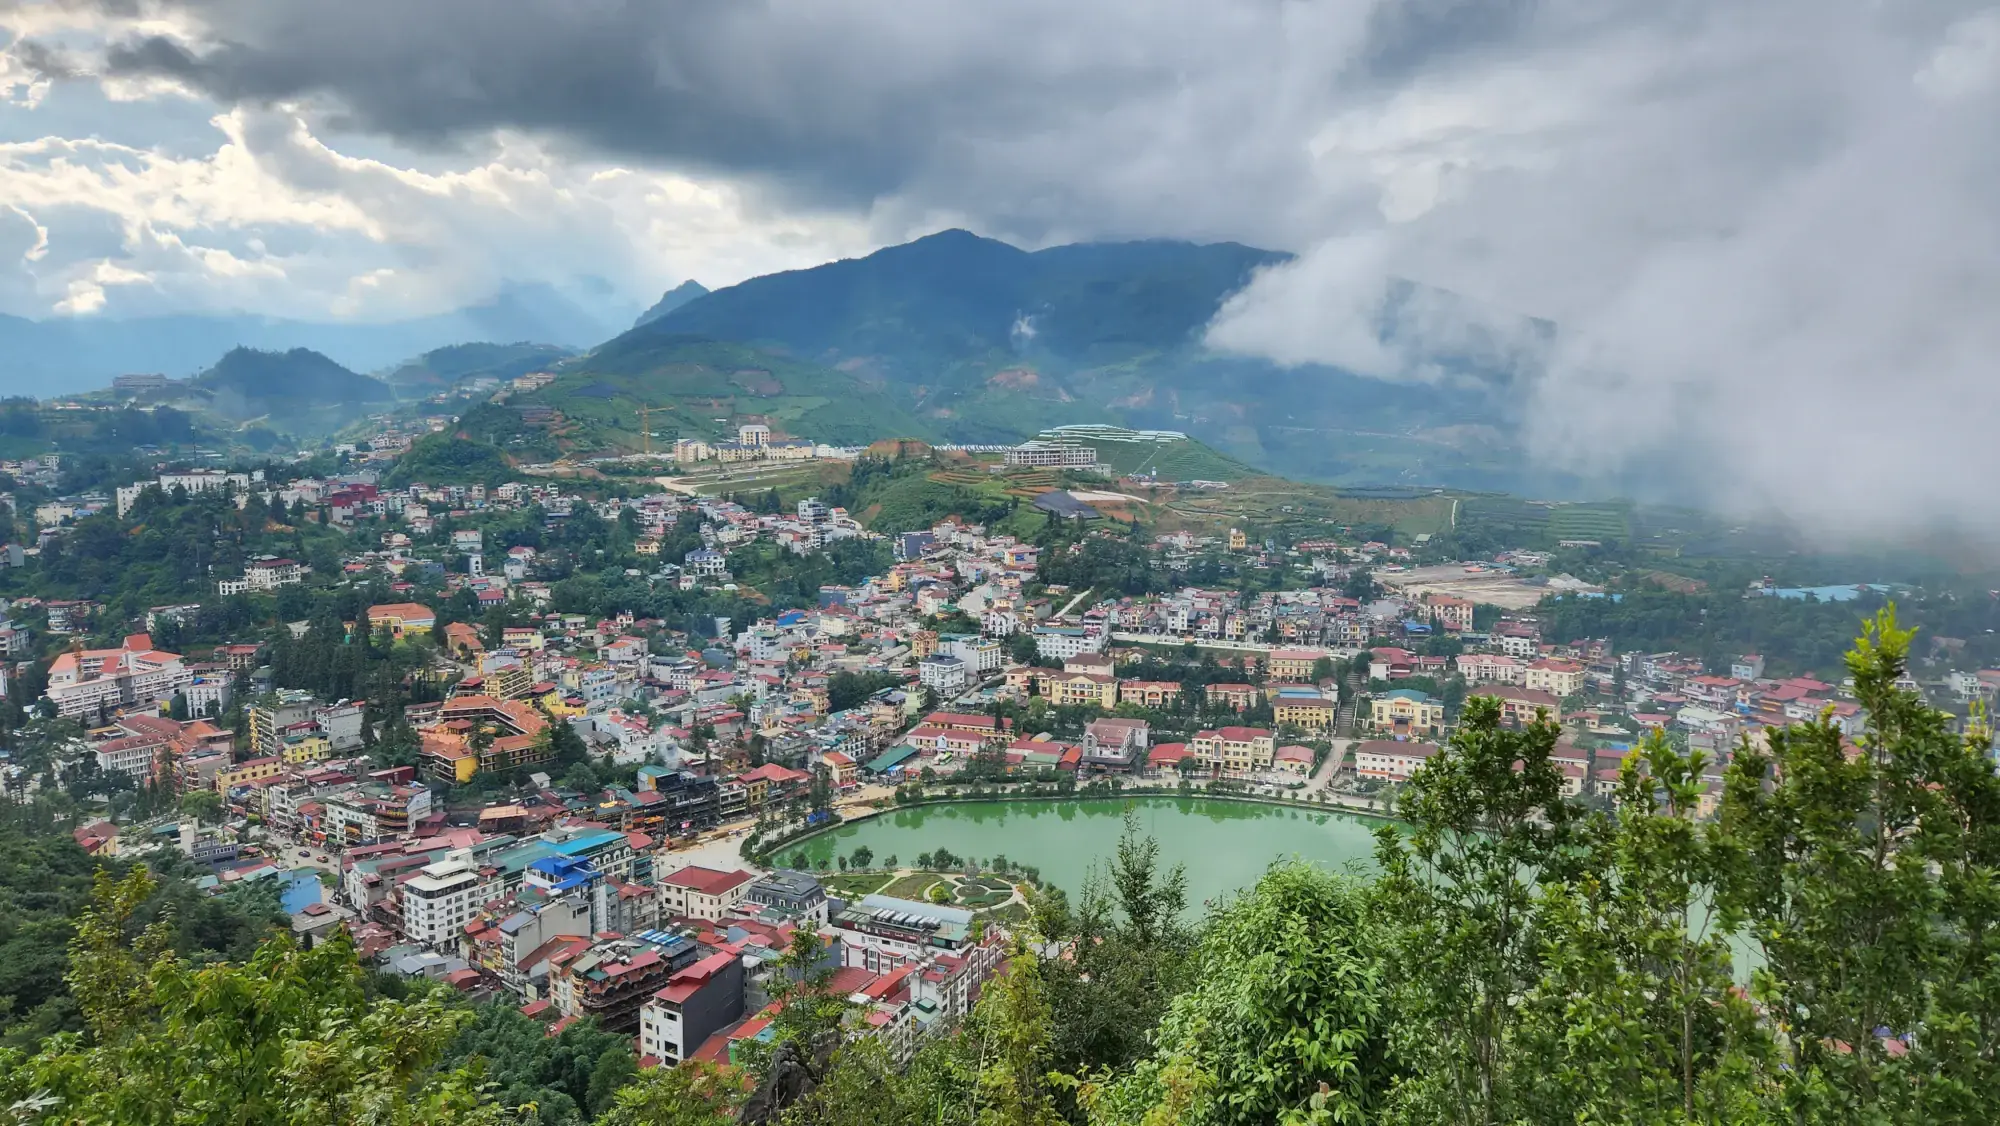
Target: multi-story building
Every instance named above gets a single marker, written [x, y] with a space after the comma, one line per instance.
[796, 895]
[1083, 688]
[881, 930]
[1293, 664]
[1489, 668]
[1115, 744]
[1234, 750]
[140, 756]
[270, 717]
[1149, 693]
[947, 676]
[1447, 611]
[614, 978]
[440, 900]
[1234, 696]
[375, 811]
[696, 1003]
[1051, 455]
[502, 735]
[1389, 760]
[402, 619]
[982, 655]
[1406, 711]
[1557, 678]
[86, 682]
[1060, 643]
[703, 893]
[1312, 713]
[1520, 706]
[191, 480]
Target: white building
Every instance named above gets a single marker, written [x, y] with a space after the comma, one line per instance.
[1060, 643]
[754, 434]
[193, 480]
[703, 893]
[84, 681]
[981, 655]
[438, 901]
[942, 674]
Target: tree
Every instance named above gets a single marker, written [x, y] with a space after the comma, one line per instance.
[691, 1094]
[1487, 825]
[1009, 1035]
[863, 856]
[1284, 1020]
[202, 805]
[1867, 882]
[290, 1037]
[1634, 1018]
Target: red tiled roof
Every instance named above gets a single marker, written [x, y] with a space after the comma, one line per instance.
[708, 881]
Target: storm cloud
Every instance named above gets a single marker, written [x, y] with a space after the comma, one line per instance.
[1765, 233]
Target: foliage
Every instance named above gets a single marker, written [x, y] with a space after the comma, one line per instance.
[847, 689]
[568, 1078]
[46, 881]
[1283, 1021]
[1458, 892]
[1869, 883]
[288, 1037]
[448, 459]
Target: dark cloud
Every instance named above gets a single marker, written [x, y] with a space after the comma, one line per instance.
[1035, 117]
[46, 61]
[1747, 218]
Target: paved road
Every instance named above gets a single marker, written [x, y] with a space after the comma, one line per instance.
[1324, 775]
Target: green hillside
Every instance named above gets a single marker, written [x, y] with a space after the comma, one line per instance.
[1131, 454]
[1516, 521]
[299, 392]
[989, 343]
[442, 367]
[706, 388]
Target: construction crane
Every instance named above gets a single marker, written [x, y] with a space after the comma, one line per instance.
[646, 428]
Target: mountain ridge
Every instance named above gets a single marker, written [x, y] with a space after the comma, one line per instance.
[990, 343]
[58, 355]
[672, 299]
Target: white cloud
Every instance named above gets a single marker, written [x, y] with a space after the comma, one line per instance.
[1773, 257]
[369, 239]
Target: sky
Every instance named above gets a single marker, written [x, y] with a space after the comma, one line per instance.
[1767, 231]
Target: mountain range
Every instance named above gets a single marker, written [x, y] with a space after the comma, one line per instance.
[983, 342]
[66, 355]
[952, 337]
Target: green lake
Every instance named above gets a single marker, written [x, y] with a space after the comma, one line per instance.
[1225, 845]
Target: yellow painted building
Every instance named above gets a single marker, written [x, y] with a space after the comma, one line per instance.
[1406, 711]
[1235, 749]
[404, 619]
[305, 748]
[1292, 664]
[1310, 714]
[556, 706]
[1094, 689]
[248, 771]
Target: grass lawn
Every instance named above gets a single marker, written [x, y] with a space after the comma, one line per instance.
[854, 885]
[1012, 913]
[912, 886]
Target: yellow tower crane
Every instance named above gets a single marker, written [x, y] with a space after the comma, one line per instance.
[646, 428]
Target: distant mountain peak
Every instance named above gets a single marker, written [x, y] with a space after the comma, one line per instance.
[673, 299]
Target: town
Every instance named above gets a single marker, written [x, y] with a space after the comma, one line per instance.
[557, 744]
